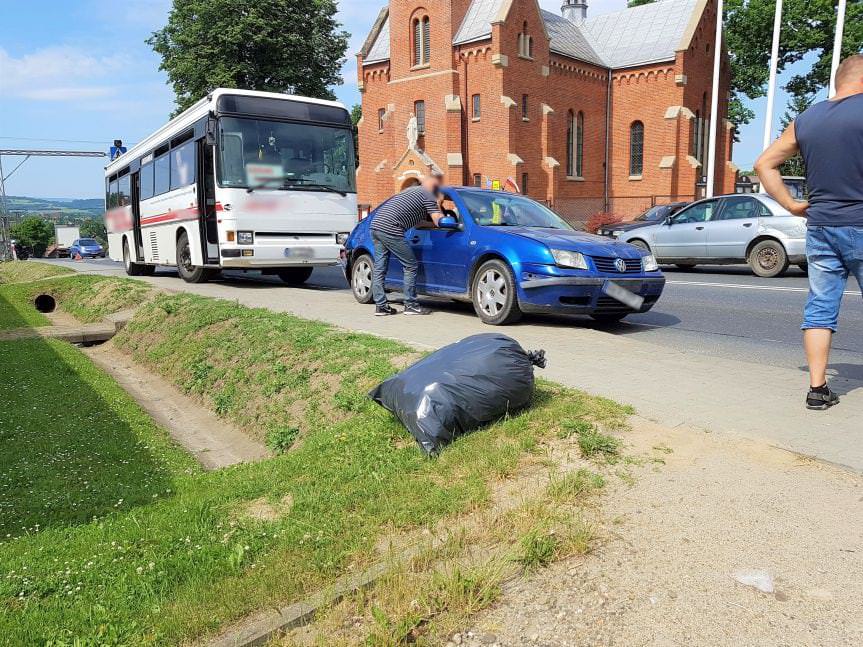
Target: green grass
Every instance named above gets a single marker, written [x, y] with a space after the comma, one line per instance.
[110, 535]
[87, 298]
[20, 271]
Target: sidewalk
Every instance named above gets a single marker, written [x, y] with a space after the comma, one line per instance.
[672, 388]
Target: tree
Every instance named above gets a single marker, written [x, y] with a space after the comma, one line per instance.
[795, 166]
[291, 46]
[35, 233]
[638, 3]
[356, 115]
[94, 228]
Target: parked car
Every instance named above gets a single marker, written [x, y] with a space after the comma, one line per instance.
[728, 229]
[86, 248]
[508, 254]
[653, 215]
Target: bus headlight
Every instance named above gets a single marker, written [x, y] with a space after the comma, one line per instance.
[341, 239]
[245, 238]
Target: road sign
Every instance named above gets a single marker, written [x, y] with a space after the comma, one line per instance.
[116, 151]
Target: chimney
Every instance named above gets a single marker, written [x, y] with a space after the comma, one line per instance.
[574, 10]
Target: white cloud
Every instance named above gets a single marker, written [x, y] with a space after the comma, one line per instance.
[57, 74]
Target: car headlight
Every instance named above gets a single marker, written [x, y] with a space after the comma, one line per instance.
[341, 239]
[245, 238]
[649, 264]
[566, 258]
[617, 233]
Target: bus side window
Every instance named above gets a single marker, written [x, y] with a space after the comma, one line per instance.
[162, 172]
[183, 165]
[147, 181]
[124, 199]
[113, 195]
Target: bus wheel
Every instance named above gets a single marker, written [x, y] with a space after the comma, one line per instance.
[295, 275]
[188, 272]
[132, 269]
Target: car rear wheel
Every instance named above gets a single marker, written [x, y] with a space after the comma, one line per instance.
[295, 275]
[609, 317]
[132, 268]
[493, 294]
[768, 259]
[188, 272]
[804, 267]
[361, 279]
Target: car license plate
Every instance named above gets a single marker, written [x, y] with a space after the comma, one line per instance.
[299, 253]
[626, 297]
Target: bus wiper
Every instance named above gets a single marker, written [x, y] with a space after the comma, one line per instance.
[264, 184]
[313, 185]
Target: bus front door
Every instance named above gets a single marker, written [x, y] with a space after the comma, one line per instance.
[207, 203]
[135, 187]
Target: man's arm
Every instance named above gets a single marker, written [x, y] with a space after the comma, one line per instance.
[767, 168]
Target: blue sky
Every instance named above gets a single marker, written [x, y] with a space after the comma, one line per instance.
[77, 74]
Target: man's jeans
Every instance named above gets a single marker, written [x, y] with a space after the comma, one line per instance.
[401, 249]
[832, 253]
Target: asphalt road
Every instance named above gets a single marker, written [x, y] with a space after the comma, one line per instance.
[722, 311]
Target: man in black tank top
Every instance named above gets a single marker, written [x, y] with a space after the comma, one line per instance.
[829, 136]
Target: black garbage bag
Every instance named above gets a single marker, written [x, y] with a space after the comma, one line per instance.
[460, 387]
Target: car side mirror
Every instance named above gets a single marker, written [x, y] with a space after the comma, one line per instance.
[447, 222]
[669, 221]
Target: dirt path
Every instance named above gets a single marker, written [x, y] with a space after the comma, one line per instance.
[211, 440]
[676, 537]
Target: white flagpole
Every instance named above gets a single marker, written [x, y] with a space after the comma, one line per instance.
[837, 45]
[771, 86]
[714, 104]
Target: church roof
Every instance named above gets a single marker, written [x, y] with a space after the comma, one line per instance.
[640, 35]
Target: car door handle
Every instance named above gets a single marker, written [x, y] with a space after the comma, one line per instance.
[415, 240]
[747, 224]
[699, 228]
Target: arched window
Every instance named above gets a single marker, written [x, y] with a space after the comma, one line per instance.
[579, 144]
[422, 41]
[570, 144]
[420, 112]
[525, 43]
[636, 148]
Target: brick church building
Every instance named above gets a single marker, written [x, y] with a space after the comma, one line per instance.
[589, 114]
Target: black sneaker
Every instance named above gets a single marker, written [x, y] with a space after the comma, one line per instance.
[416, 310]
[385, 311]
[818, 400]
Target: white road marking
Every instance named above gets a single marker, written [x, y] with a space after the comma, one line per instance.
[740, 286]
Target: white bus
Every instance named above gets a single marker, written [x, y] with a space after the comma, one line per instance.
[241, 180]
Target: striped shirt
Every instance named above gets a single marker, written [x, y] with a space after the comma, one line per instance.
[404, 211]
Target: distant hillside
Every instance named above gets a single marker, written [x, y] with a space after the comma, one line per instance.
[66, 209]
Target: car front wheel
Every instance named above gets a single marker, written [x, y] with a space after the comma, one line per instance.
[640, 244]
[768, 259]
[361, 279]
[494, 294]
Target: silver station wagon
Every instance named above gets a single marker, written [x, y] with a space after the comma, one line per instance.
[728, 229]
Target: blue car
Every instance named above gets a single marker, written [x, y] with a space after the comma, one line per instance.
[508, 255]
[86, 248]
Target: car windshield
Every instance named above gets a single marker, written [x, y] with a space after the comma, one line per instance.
[89, 241]
[510, 210]
[257, 153]
[653, 214]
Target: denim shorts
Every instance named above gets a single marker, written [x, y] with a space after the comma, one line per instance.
[832, 253]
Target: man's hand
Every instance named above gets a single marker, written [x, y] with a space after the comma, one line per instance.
[799, 209]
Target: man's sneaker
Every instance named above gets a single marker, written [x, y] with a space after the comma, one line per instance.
[416, 310]
[820, 399]
[385, 311]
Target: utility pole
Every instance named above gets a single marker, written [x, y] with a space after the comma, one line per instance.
[837, 45]
[5, 230]
[714, 104]
[771, 86]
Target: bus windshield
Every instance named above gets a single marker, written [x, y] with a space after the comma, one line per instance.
[258, 153]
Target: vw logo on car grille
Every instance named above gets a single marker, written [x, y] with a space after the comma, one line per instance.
[620, 264]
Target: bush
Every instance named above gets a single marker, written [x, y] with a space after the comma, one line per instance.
[601, 219]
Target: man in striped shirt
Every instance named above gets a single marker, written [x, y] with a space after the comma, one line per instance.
[408, 209]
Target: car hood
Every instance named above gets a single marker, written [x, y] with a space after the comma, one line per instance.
[629, 226]
[576, 241]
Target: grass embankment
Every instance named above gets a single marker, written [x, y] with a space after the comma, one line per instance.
[21, 271]
[180, 552]
[87, 298]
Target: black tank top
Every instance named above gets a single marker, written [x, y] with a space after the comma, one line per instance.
[830, 136]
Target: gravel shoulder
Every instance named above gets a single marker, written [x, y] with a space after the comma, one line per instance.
[675, 537]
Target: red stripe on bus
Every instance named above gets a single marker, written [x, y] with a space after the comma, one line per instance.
[179, 214]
